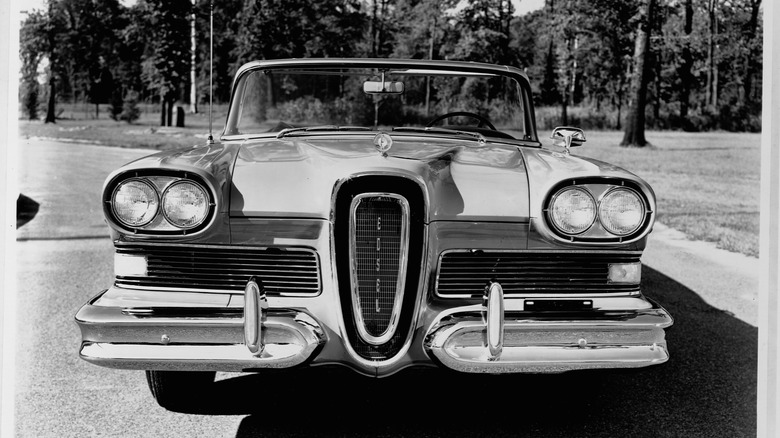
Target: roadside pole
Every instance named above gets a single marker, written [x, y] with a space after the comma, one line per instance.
[769, 281]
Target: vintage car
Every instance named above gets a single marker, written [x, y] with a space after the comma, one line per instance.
[376, 214]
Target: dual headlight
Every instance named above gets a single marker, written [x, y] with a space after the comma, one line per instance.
[162, 203]
[620, 211]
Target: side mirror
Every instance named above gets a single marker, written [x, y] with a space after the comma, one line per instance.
[568, 137]
[383, 87]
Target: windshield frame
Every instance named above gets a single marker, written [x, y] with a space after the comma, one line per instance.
[231, 130]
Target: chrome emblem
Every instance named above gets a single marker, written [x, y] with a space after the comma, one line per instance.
[383, 142]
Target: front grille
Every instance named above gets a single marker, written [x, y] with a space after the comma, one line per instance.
[379, 239]
[465, 273]
[283, 271]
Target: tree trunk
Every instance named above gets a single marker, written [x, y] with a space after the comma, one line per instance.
[162, 111]
[50, 113]
[634, 134]
[750, 63]
[710, 51]
[686, 79]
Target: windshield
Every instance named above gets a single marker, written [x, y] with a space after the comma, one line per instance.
[380, 99]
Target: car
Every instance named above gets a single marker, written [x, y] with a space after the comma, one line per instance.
[375, 214]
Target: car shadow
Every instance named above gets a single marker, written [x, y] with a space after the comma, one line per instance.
[26, 209]
[708, 388]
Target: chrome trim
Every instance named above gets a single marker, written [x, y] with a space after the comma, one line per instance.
[494, 319]
[400, 281]
[534, 343]
[115, 339]
[255, 315]
[540, 294]
[214, 291]
[422, 284]
[129, 245]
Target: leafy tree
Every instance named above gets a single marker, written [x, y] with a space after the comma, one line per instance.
[167, 52]
[33, 47]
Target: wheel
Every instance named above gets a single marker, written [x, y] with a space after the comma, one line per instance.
[180, 391]
[483, 121]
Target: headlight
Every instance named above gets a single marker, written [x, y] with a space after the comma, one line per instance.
[572, 210]
[621, 212]
[135, 203]
[185, 204]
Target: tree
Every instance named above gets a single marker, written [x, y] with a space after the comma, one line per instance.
[33, 47]
[634, 134]
[167, 51]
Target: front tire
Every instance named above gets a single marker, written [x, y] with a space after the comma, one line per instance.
[181, 391]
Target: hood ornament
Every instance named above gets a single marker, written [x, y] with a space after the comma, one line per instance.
[383, 142]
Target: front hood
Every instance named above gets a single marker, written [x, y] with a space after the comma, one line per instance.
[461, 180]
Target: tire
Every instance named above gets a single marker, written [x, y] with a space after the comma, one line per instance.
[181, 391]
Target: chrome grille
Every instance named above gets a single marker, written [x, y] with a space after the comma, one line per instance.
[379, 225]
[283, 271]
[465, 273]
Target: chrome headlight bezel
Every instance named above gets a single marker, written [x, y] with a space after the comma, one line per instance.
[598, 189]
[161, 180]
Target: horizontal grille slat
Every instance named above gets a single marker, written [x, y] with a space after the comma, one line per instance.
[465, 273]
[225, 269]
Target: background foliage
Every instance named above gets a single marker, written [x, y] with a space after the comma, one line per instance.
[702, 69]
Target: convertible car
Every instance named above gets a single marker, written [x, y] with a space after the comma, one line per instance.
[376, 214]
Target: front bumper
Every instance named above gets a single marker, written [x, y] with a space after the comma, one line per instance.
[476, 339]
[180, 339]
[551, 343]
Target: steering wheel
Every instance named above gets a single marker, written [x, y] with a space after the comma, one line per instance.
[483, 121]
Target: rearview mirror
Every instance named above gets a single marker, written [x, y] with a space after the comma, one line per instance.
[383, 87]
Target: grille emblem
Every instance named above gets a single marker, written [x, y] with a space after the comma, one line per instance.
[383, 142]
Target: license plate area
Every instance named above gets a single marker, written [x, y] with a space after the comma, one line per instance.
[557, 305]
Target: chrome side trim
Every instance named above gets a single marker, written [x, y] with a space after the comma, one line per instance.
[401, 279]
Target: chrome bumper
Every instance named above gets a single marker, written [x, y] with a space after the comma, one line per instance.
[179, 339]
[482, 339]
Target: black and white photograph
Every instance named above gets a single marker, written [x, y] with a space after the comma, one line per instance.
[390, 218]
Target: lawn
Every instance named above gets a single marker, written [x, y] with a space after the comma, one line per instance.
[707, 184]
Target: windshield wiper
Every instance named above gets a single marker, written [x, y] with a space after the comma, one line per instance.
[479, 137]
[284, 132]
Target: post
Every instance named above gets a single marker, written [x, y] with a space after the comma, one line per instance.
[193, 77]
[769, 281]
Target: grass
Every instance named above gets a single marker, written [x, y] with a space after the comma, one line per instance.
[77, 122]
[707, 184]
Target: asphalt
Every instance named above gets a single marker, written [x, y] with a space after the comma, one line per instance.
[725, 280]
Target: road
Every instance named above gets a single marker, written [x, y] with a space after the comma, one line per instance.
[64, 257]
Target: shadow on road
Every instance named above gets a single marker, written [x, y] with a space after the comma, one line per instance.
[708, 388]
[26, 209]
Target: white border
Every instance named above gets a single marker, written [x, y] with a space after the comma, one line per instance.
[770, 229]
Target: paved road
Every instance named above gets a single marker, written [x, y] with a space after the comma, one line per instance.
[708, 388]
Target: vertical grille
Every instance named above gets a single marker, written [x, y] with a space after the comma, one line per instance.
[379, 225]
